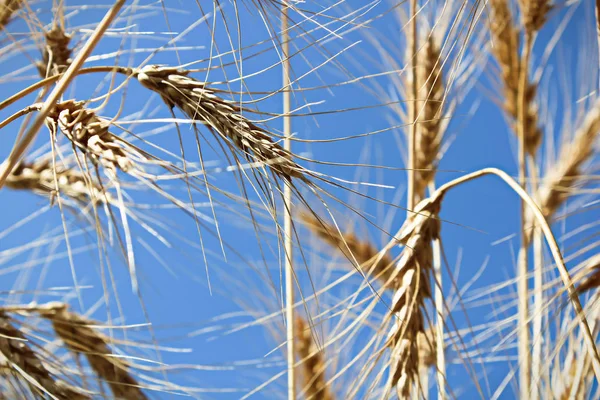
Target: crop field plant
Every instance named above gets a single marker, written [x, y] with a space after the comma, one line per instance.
[337, 199]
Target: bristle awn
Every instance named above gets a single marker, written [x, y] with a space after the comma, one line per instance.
[19, 149]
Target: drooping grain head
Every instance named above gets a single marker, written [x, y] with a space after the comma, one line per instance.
[222, 117]
[40, 177]
[312, 364]
[7, 9]
[90, 135]
[380, 266]
[27, 364]
[505, 44]
[414, 270]
[56, 56]
[430, 107]
[80, 338]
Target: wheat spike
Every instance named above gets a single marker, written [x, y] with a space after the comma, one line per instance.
[39, 177]
[90, 134]
[506, 47]
[311, 363]
[224, 118]
[414, 268]
[25, 363]
[371, 261]
[76, 332]
[565, 173]
[431, 91]
[7, 9]
[534, 14]
[56, 56]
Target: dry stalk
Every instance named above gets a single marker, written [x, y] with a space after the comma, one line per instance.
[80, 338]
[224, 118]
[505, 47]
[39, 177]
[25, 363]
[370, 259]
[90, 134]
[429, 133]
[56, 56]
[7, 9]
[414, 269]
[312, 364]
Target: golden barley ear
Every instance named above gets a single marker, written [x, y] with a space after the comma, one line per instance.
[39, 177]
[80, 338]
[222, 117]
[56, 56]
[312, 364]
[7, 9]
[90, 134]
[431, 96]
[506, 44]
[414, 270]
[23, 361]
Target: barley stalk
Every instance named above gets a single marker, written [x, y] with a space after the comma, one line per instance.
[78, 335]
[90, 134]
[288, 226]
[312, 364]
[429, 133]
[19, 149]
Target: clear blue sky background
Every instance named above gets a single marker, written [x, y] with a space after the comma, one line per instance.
[178, 301]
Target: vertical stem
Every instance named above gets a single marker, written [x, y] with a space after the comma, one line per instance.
[287, 199]
[522, 266]
[412, 43]
[20, 147]
[538, 295]
[439, 322]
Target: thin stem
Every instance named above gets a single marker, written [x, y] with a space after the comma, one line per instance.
[439, 322]
[412, 136]
[522, 265]
[538, 295]
[287, 198]
[20, 147]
